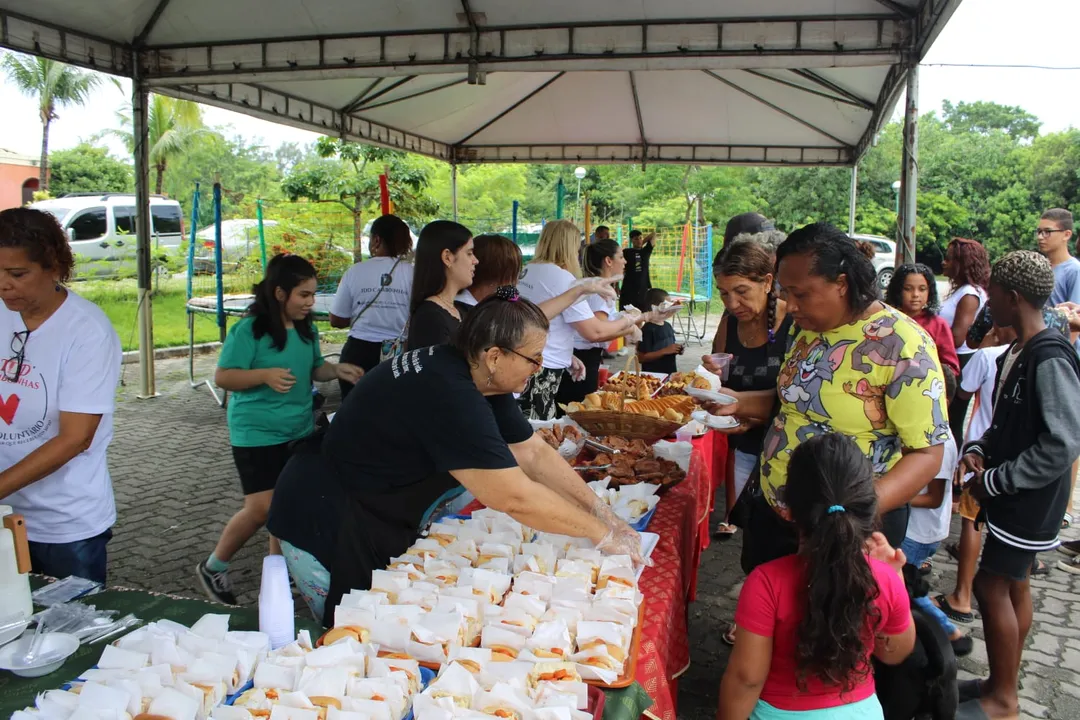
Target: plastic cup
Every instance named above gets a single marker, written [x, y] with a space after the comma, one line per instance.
[723, 362]
[604, 375]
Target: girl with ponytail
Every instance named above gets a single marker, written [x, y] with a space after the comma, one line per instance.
[268, 362]
[808, 624]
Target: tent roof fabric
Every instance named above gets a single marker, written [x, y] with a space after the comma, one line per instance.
[762, 82]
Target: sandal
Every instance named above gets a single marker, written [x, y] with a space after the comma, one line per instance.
[724, 531]
[952, 613]
[1040, 568]
[1066, 521]
[927, 567]
[729, 635]
[954, 551]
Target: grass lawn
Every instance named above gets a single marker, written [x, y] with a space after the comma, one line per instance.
[119, 300]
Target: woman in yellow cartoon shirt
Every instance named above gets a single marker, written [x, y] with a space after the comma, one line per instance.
[854, 366]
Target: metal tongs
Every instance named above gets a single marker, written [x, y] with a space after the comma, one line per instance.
[593, 445]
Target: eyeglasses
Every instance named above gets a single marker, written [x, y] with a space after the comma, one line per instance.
[536, 363]
[1047, 232]
[18, 355]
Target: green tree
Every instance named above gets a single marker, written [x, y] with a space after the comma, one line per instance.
[247, 171]
[87, 168]
[348, 174]
[985, 117]
[173, 126]
[54, 85]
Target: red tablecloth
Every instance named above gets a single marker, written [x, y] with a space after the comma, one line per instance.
[682, 522]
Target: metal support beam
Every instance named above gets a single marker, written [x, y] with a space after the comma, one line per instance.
[887, 97]
[709, 43]
[140, 104]
[453, 188]
[833, 87]
[389, 88]
[346, 109]
[140, 39]
[776, 108]
[510, 109]
[902, 10]
[637, 113]
[285, 109]
[853, 198]
[37, 37]
[365, 106]
[865, 105]
[909, 179]
[615, 153]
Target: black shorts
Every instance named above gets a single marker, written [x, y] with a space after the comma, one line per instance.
[259, 467]
[1005, 560]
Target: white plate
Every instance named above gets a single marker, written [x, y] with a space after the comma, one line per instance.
[710, 396]
[716, 422]
[649, 542]
[55, 648]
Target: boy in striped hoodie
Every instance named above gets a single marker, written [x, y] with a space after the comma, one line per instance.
[1020, 469]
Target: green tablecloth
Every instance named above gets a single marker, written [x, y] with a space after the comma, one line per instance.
[17, 693]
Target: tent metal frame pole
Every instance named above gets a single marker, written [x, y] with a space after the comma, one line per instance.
[453, 188]
[140, 106]
[910, 179]
[853, 197]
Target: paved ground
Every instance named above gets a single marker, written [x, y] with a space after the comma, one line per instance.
[176, 487]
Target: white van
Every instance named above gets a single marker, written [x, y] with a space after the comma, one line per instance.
[101, 226]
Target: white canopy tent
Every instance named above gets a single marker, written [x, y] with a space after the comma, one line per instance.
[762, 82]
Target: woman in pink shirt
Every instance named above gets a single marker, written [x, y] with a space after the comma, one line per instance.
[808, 624]
[913, 291]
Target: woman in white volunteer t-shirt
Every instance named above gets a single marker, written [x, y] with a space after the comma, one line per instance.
[967, 265]
[57, 395]
[554, 270]
[373, 296]
[603, 258]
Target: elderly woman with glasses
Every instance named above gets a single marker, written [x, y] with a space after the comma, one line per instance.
[414, 434]
[57, 393]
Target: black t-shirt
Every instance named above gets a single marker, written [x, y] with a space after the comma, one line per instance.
[308, 503]
[400, 432]
[657, 337]
[636, 281]
[431, 325]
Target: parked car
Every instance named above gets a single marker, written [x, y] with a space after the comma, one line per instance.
[101, 226]
[239, 239]
[884, 257]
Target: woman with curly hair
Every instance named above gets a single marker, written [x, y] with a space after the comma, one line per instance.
[808, 624]
[57, 396]
[913, 290]
[967, 265]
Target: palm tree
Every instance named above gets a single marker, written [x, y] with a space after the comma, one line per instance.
[54, 85]
[173, 124]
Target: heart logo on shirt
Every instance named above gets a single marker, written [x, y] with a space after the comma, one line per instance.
[8, 408]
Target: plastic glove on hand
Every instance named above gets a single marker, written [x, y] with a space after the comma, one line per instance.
[622, 543]
[602, 286]
[577, 369]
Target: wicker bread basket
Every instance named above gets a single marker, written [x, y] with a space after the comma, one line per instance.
[632, 426]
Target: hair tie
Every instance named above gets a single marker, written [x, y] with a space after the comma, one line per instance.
[836, 508]
[508, 293]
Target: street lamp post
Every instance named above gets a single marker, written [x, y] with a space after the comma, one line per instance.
[579, 173]
[896, 193]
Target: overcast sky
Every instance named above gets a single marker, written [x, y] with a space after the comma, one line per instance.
[1037, 32]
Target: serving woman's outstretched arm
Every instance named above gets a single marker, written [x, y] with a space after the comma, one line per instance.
[531, 503]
